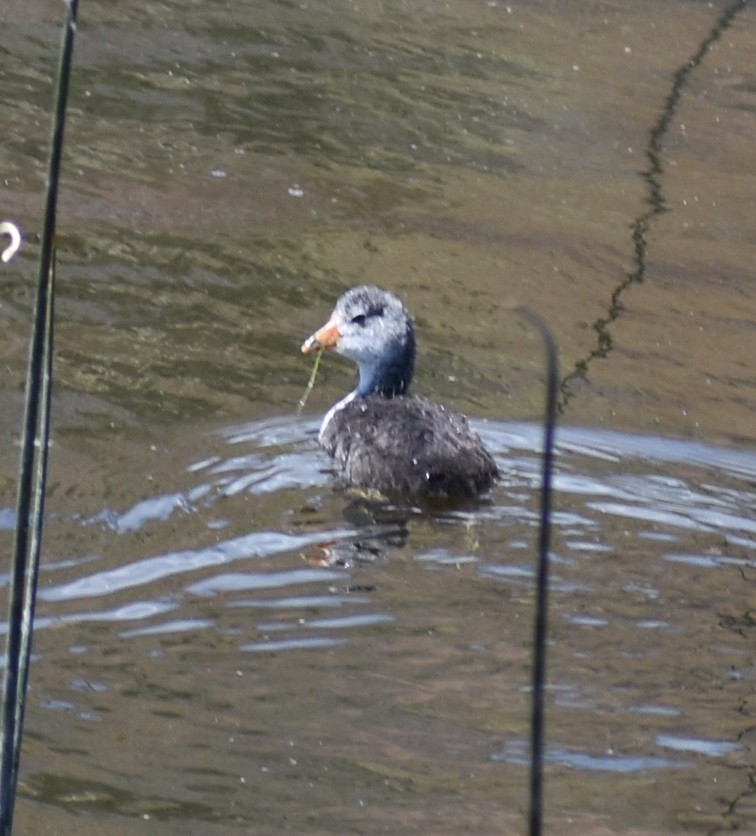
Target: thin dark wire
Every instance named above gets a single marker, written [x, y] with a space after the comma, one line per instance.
[537, 724]
[34, 442]
[38, 499]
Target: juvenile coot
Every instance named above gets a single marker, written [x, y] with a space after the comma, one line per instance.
[379, 437]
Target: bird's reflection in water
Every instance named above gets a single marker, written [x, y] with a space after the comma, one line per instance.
[381, 527]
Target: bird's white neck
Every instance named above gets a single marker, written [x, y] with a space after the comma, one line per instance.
[333, 410]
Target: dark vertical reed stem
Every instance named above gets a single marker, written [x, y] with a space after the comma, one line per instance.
[33, 465]
[542, 578]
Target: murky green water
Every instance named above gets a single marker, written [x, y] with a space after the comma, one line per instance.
[228, 645]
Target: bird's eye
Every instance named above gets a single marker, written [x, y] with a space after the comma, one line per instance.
[359, 319]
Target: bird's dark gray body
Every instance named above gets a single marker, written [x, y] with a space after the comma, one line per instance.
[407, 446]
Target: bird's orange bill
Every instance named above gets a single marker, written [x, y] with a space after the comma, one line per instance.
[326, 337]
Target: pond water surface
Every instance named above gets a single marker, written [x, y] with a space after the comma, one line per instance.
[228, 644]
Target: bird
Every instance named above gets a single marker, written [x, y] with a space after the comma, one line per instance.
[381, 438]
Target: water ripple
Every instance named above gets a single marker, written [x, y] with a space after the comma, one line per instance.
[142, 572]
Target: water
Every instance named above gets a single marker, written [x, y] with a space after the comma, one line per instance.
[351, 662]
[226, 644]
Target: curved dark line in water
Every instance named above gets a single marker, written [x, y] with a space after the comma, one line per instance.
[732, 815]
[654, 198]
